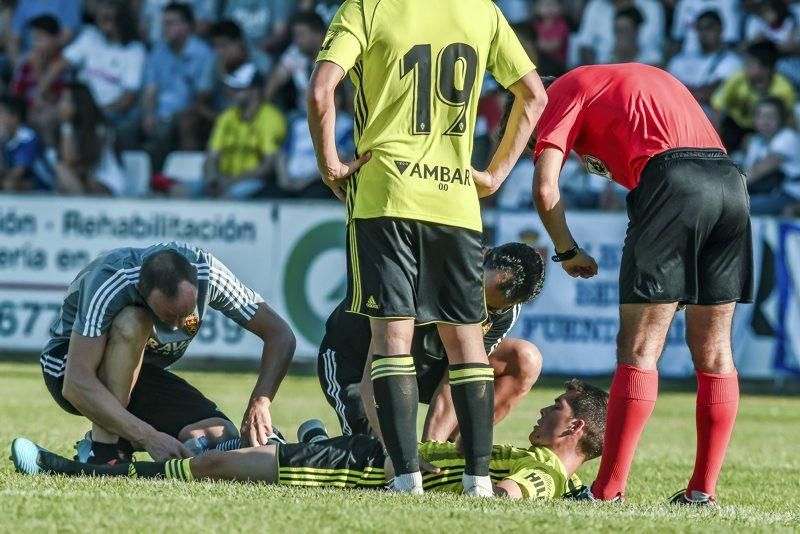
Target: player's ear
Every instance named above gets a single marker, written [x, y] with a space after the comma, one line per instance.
[576, 426]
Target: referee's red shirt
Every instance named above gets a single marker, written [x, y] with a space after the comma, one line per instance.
[615, 117]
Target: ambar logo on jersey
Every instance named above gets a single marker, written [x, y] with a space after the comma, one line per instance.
[439, 173]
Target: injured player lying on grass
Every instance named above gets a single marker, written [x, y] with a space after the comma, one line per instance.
[568, 433]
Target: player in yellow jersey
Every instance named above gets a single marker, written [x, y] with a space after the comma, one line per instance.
[414, 224]
[568, 433]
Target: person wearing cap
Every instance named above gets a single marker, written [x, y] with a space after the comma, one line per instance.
[245, 139]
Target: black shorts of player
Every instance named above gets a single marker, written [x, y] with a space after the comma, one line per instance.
[402, 268]
[340, 372]
[345, 462]
[689, 238]
[160, 398]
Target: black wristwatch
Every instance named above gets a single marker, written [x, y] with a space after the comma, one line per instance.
[566, 255]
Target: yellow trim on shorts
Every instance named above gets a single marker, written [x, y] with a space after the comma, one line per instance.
[355, 271]
[368, 316]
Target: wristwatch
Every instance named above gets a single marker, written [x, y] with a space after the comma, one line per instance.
[567, 254]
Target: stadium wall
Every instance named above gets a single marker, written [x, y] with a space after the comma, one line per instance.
[293, 254]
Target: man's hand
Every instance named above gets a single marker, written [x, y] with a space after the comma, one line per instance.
[336, 175]
[162, 447]
[581, 265]
[257, 423]
[484, 183]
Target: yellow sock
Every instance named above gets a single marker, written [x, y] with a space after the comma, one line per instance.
[179, 470]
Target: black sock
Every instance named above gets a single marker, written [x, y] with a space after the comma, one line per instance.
[472, 389]
[171, 469]
[394, 380]
[102, 453]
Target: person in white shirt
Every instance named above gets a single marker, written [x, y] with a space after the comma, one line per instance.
[772, 21]
[686, 13]
[772, 160]
[703, 71]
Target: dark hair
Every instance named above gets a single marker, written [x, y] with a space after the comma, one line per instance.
[524, 268]
[45, 23]
[590, 405]
[778, 104]
[184, 10]
[88, 123]
[225, 28]
[711, 15]
[15, 105]
[780, 7]
[165, 270]
[631, 13]
[310, 19]
[765, 52]
[124, 21]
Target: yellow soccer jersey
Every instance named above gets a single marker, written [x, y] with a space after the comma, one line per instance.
[243, 144]
[537, 470]
[418, 66]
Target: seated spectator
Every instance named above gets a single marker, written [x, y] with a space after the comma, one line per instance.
[206, 13]
[594, 42]
[773, 21]
[295, 65]
[263, 22]
[515, 11]
[736, 99]
[703, 72]
[552, 31]
[245, 139]
[684, 30]
[46, 50]
[175, 76]
[324, 8]
[772, 160]
[23, 166]
[627, 24]
[87, 158]
[110, 62]
[67, 12]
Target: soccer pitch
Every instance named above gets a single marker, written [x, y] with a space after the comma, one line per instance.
[759, 487]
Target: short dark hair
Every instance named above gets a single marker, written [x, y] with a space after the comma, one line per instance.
[15, 105]
[631, 13]
[310, 19]
[765, 52]
[225, 28]
[165, 270]
[779, 106]
[46, 23]
[184, 10]
[590, 405]
[711, 15]
[524, 268]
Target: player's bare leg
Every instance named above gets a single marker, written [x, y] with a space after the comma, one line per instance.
[643, 331]
[472, 388]
[258, 464]
[394, 383]
[516, 364]
[214, 429]
[708, 334]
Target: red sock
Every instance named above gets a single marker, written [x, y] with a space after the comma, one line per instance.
[717, 404]
[630, 404]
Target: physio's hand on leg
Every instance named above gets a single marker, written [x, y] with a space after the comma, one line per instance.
[257, 423]
[162, 447]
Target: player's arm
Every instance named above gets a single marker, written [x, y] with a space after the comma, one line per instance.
[507, 488]
[279, 345]
[530, 98]
[440, 422]
[547, 198]
[83, 389]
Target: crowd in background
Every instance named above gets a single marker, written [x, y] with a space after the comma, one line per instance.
[85, 82]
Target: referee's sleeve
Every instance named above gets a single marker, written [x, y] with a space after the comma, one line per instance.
[500, 329]
[229, 295]
[507, 61]
[347, 36]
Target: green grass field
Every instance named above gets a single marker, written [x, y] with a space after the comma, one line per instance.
[759, 488]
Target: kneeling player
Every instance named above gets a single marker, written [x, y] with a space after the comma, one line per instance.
[513, 275]
[568, 433]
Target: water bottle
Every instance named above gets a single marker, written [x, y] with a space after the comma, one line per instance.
[197, 446]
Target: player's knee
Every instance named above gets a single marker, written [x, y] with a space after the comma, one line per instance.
[527, 360]
[214, 429]
[131, 325]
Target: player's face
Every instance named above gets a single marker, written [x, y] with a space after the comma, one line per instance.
[767, 120]
[174, 311]
[495, 299]
[174, 27]
[555, 421]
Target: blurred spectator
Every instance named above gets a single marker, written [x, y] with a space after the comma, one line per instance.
[88, 162]
[789, 64]
[177, 74]
[772, 160]
[773, 21]
[594, 42]
[205, 13]
[295, 65]
[68, 13]
[736, 99]
[515, 11]
[703, 71]
[245, 139]
[110, 62]
[324, 8]
[684, 31]
[627, 24]
[262, 21]
[6, 13]
[23, 166]
[552, 31]
[46, 50]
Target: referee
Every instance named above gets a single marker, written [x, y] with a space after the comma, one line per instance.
[414, 225]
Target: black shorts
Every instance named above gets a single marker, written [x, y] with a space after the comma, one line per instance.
[160, 398]
[402, 268]
[345, 462]
[689, 236]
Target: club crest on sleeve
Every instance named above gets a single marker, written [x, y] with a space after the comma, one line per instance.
[191, 324]
[486, 327]
[596, 166]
